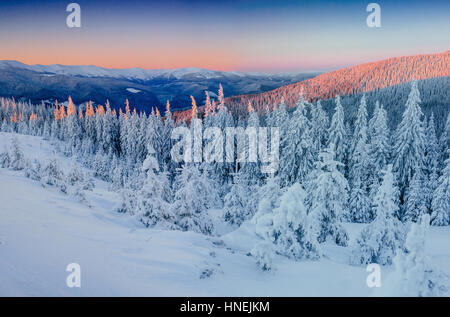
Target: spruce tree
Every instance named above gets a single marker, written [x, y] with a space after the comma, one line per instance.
[327, 196]
[415, 274]
[441, 199]
[409, 147]
[337, 133]
[378, 241]
[297, 148]
[319, 127]
[154, 198]
[194, 196]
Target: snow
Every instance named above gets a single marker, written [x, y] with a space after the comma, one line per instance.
[43, 230]
[133, 90]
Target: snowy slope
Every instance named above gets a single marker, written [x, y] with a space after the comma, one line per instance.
[42, 230]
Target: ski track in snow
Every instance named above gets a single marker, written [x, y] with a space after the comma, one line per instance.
[43, 230]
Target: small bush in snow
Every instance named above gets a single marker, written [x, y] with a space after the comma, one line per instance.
[263, 254]
[414, 274]
[17, 157]
[5, 159]
[236, 202]
[440, 215]
[194, 195]
[88, 184]
[33, 171]
[75, 175]
[53, 175]
[128, 202]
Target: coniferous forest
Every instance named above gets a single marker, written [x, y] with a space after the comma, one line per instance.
[331, 171]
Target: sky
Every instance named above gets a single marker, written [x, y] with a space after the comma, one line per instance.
[246, 35]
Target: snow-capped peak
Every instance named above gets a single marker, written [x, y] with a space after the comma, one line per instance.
[128, 73]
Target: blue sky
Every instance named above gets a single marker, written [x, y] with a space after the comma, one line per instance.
[230, 35]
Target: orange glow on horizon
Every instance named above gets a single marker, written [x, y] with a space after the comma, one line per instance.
[215, 60]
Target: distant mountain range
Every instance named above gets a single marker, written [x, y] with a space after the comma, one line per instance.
[149, 88]
[143, 88]
[355, 79]
[348, 81]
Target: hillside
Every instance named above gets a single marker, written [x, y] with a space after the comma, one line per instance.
[42, 230]
[352, 80]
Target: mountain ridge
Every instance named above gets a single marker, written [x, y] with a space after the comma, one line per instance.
[135, 72]
[144, 89]
[346, 81]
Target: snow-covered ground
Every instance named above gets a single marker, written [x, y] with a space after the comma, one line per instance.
[42, 230]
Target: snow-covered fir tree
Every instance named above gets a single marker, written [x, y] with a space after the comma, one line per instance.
[153, 199]
[440, 207]
[359, 202]
[444, 144]
[360, 126]
[268, 199]
[414, 274]
[264, 254]
[327, 198]
[432, 162]
[409, 147]
[53, 175]
[337, 133]
[359, 169]
[297, 147]
[378, 241]
[195, 195]
[293, 232]
[319, 127]
[379, 147]
[416, 197]
[5, 158]
[16, 156]
[236, 201]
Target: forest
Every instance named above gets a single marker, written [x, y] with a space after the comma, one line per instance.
[332, 170]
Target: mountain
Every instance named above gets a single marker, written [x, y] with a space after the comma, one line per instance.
[355, 79]
[143, 88]
[349, 81]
